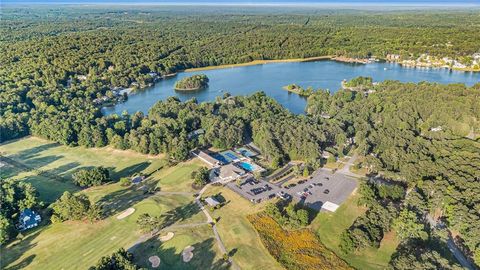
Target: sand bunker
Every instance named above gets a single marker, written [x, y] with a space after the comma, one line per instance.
[166, 237]
[187, 253]
[155, 261]
[126, 213]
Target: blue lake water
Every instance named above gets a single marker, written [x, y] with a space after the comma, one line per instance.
[270, 78]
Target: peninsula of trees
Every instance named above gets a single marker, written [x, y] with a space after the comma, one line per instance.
[195, 82]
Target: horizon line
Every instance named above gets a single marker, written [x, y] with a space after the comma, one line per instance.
[288, 4]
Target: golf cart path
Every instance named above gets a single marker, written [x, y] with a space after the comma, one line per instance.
[221, 246]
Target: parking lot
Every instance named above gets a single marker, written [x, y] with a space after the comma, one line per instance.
[255, 190]
[322, 186]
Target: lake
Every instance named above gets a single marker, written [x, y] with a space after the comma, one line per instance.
[270, 78]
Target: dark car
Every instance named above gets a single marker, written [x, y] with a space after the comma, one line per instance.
[302, 181]
[318, 184]
[292, 185]
[305, 189]
[271, 196]
[326, 191]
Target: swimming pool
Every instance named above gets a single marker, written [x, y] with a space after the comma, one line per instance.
[247, 166]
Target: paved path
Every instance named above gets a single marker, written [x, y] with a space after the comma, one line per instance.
[451, 244]
[346, 169]
[221, 246]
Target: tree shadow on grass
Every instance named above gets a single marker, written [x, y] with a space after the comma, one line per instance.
[203, 256]
[64, 170]
[179, 214]
[34, 151]
[120, 200]
[11, 253]
[136, 168]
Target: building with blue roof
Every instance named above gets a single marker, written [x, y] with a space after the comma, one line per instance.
[28, 219]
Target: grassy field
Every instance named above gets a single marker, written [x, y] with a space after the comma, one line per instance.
[54, 164]
[329, 227]
[78, 245]
[238, 233]
[178, 178]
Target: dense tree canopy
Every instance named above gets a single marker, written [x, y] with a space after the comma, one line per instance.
[15, 196]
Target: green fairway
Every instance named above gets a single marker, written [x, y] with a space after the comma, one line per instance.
[79, 245]
[329, 226]
[238, 234]
[178, 178]
[51, 165]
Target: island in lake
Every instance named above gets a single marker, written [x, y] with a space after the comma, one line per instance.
[195, 82]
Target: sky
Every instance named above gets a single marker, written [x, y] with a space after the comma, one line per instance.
[249, 2]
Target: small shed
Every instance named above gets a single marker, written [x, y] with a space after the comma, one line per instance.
[211, 201]
[28, 219]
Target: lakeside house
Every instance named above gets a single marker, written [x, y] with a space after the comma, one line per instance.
[28, 219]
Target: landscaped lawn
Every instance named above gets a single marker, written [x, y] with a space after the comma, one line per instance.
[79, 245]
[329, 226]
[237, 232]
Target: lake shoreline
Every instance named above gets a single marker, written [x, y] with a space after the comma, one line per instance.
[260, 62]
[318, 58]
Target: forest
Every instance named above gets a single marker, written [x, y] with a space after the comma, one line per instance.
[422, 137]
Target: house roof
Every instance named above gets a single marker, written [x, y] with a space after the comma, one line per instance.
[230, 171]
[206, 157]
[28, 217]
[211, 201]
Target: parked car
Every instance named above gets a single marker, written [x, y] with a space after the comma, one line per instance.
[301, 182]
[305, 189]
[326, 191]
[292, 185]
[271, 196]
[311, 185]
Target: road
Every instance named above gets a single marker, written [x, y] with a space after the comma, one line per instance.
[451, 244]
[346, 169]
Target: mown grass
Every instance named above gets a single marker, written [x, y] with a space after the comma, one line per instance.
[78, 245]
[206, 252]
[237, 232]
[178, 177]
[49, 160]
[329, 227]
